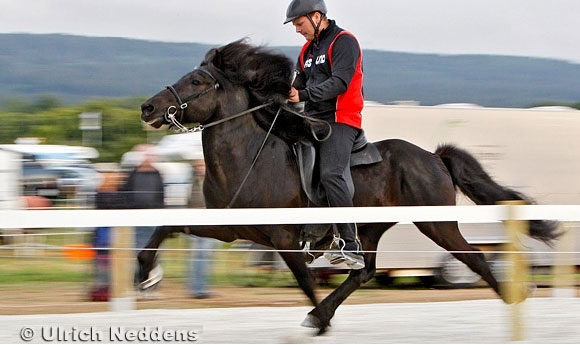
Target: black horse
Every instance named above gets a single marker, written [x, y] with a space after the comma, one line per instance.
[236, 95]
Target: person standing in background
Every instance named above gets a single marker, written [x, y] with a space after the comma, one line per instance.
[201, 254]
[107, 197]
[144, 190]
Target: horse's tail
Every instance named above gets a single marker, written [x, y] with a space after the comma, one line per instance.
[470, 177]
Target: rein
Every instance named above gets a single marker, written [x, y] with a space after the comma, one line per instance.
[312, 119]
[182, 105]
[183, 129]
[235, 197]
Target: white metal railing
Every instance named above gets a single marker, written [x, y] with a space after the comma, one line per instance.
[511, 214]
[239, 216]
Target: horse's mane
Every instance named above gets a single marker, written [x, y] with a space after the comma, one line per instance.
[267, 75]
[265, 72]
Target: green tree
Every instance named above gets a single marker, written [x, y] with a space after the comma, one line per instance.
[56, 124]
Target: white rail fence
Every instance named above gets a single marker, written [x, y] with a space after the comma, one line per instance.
[514, 216]
[402, 214]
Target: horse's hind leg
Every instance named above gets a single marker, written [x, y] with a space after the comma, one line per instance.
[448, 236]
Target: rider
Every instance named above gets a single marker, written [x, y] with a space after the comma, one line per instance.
[329, 80]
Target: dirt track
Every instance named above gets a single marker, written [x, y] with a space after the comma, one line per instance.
[53, 298]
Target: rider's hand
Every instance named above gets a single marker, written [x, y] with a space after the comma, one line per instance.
[293, 96]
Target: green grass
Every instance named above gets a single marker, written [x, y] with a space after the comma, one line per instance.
[29, 270]
[231, 266]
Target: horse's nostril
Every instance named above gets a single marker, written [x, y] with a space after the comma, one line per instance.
[147, 108]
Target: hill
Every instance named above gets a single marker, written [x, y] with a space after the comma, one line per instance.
[75, 69]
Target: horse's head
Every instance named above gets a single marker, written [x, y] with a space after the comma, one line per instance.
[191, 99]
[230, 78]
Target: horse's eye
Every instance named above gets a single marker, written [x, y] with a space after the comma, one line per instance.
[196, 82]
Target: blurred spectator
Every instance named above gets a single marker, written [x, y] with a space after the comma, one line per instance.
[35, 202]
[144, 189]
[201, 255]
[107, 198]
[200, 266]
[197, 199]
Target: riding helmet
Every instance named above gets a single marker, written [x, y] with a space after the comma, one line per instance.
[298, 8]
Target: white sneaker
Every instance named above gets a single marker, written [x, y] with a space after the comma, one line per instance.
[338, 253]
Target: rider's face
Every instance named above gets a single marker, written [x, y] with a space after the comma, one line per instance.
[304, 27]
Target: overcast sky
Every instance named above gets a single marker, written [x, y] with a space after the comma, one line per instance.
[538, 28]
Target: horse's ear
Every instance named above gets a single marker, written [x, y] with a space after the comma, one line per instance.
[214, 57]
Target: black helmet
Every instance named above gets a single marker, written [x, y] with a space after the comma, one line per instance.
[298, 8]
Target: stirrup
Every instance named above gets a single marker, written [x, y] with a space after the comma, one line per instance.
[308, 256]
[334, 253]
[353, 259]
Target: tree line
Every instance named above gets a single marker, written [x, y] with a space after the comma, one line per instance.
[53, 122]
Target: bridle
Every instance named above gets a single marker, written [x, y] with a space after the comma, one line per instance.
[182, 105]
[172, 110]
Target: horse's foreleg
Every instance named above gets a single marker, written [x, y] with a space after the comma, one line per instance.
[147, 256]
[296, 263]
[320, 316]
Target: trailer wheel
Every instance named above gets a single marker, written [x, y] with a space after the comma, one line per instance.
[384, 279]
[427, 281]
[455, 273]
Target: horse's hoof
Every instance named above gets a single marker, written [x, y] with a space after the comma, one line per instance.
[310, 322]
[153, 278]
[528, 289]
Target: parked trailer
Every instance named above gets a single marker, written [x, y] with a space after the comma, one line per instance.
[10, 168]
[535, 151]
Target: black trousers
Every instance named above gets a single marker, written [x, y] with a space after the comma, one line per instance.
[334, 158]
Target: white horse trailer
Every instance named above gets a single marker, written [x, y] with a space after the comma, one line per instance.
[10, 171]
[535, 151]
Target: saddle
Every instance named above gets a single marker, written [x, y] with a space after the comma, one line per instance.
[363, 153]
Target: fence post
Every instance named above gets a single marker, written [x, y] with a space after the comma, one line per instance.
[563, 284]
[513, 286]
[123, 266]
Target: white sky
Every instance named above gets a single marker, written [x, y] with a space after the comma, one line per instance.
[538, 28]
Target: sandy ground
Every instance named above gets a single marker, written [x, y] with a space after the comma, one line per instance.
[45, 298]
[544, 320]
[273, 315]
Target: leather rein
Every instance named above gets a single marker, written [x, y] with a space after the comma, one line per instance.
[170, 116]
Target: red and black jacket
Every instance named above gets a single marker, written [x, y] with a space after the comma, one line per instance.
[330, 81]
